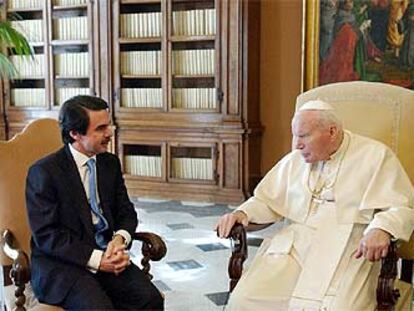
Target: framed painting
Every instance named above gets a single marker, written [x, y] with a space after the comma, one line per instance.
[347, 40]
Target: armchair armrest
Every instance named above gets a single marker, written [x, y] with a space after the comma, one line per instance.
[20, 271]
[238, 240]
[386, 294]
[153, 248]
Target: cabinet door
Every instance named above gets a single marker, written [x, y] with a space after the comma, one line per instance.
[193, 57]
[139, 53]
[28, 89]
[193, 163]
[166, 57]
[71, 49]
[64, 61]
[144, 160]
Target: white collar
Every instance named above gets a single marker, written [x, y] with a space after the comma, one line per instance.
[79, 157]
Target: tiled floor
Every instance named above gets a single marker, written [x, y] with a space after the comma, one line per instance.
[193, 275]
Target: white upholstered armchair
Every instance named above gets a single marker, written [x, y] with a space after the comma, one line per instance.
[383, 112]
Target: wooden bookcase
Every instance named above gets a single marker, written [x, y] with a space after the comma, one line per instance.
[61, 33]
[201, 136]
[182, 78]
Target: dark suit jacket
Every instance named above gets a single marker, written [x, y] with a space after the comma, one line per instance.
[61, 222]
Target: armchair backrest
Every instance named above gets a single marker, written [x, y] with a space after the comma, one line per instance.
[381, 111]
[37, 139]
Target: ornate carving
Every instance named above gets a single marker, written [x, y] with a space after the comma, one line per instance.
[386, 294]
[20, 271]
[239, 254]
[153, 248]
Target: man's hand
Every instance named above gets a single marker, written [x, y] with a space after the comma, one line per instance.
[114, 245]
[374, 245]
[115, 259]
[227, 221]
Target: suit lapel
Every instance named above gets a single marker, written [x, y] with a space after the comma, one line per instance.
[78, 191]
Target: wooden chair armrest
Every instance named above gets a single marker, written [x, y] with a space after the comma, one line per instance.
[386, 294]
[238, 240]
[153, 248]
[20, 271]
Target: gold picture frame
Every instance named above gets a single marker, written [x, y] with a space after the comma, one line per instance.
[378, 62]
[310, 44]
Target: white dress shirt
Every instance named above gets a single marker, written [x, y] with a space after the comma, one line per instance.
[80, 160]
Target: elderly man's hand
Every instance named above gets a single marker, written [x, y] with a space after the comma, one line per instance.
[227, 221]
[374, 245]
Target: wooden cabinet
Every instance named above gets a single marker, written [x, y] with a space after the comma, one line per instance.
[64, 61]
[186, 97]
[182, 78]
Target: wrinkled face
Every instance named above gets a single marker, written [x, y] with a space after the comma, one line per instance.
[98, 134]
[313, 141]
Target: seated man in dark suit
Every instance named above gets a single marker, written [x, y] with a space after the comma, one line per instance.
[82, 219]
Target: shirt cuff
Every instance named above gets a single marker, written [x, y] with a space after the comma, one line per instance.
[95, 260]
[125, 234]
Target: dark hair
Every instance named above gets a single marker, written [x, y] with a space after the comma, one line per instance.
[73, 115]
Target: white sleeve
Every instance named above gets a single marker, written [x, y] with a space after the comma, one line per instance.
[398, 221]
[95, 260]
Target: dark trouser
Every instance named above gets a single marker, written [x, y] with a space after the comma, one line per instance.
[130, 290]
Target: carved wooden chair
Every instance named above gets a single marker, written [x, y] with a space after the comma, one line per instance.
[383, 112]
[38, 139]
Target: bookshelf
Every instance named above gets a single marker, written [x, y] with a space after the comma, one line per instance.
[184, 128]
[28, 93]
[181, 77]
[61, 34]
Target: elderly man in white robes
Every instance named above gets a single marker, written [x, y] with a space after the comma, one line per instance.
[343, 197]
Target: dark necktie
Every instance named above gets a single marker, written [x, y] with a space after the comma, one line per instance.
[102, 224]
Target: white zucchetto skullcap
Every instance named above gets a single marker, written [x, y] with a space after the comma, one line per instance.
[316, 104]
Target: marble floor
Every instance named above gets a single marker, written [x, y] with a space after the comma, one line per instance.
[193, 275]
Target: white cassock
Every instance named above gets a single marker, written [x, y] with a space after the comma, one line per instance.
[327, 206]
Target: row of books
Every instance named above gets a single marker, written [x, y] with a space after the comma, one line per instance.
[141, 25]
[192, 168]
[194, 98]
[141, 98]
[193, 62]
[28, 97]
[30, 4]
[72, 64]
[69, 2]
[62, 94]
[71, 28]
[141, 63]
[141, 165]
[25, 4]
[183, 168]
[28, 66]
[32, 29]
[194, 22]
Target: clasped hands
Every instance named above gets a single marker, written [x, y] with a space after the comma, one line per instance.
[115, 259]
[373, 245]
